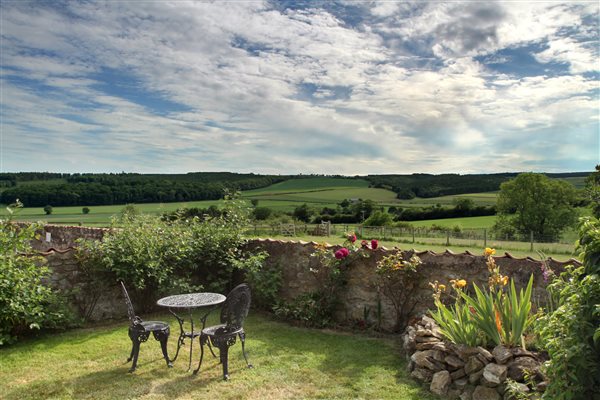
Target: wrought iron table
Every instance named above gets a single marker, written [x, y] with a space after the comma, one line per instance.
[190, 302]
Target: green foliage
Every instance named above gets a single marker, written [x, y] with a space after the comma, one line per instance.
[494, 315]
[379, 218]
[48, 209]
[540, 205]
[265, 281]
[313, 309]
[262, 213]
[85, 210]
[571, 333]
[303, 213]
[592, 191]
[399, 282]
[26, 303]
[157, 257]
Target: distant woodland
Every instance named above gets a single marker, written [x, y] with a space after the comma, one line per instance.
[37, 189]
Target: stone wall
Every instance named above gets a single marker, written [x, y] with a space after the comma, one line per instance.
[295, 260]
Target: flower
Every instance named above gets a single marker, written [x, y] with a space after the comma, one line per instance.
[504, 280]
[458, 284]
[498, 320]
[364, 244]
[351, 237]
[442, 287]
[374, 244]
[341, 253]
[472, 309]
[489, 252]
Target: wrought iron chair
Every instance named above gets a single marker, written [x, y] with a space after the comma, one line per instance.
[139, 332]
[233, 313]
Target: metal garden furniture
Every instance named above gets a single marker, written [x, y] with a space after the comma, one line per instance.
[233, 313]
[139, 332]
[190, 302]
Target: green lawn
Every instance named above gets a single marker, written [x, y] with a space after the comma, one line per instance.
[289, 363]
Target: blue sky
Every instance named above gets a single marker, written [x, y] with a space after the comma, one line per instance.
[331, 87]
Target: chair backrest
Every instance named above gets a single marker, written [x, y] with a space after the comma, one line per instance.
[130, 312]
[235, 309]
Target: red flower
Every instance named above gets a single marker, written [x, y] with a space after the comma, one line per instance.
[341, 253]
[364, 243]
[352, 238]
[374, 244]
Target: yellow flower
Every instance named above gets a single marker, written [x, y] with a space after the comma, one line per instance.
[442, 288]
[504, 280]
[489, 252]
[461, 283]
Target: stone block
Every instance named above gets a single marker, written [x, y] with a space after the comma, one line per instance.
[501, 354]
[473, 365]
[440, 382]
[495, 373]
[485, 393]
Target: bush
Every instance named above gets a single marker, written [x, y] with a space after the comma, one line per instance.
[571, 333]
[26, 304]
[48, 209]
[85, 210]
[157, 257]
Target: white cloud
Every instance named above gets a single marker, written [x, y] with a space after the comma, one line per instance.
[294, 91]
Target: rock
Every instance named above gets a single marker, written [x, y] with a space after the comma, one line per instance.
[438, 355]
[520, 352]
[475, 377]
[453, 394]
[422, 374]
[467, 393]
[424, 346]
[465, 352]
[459, 373]
[410, 365]
[486, 354]
[485, 393]
[517, 368]
[435, 332]
[440, 383]
[426, 339]
[423, 332]
[441, 347]
[495, 373]
[461, 383]
[409, 339]
[428, 322]
[502, 354]
[421, 359]
[541, 387]
[520, 388]
[473, 365]
[454, 361]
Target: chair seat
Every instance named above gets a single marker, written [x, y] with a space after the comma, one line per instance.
[152, 326]
[220, 330]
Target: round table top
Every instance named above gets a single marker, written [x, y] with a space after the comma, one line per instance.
[191, 300]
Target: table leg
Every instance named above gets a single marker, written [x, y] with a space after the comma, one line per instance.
[181, 339]
[191, 340]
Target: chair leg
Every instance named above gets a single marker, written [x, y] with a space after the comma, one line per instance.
[201, 339]
[223, 353]
[131, 354]
[211, 349]
[163, 338]
[243, 340]
[136, 352]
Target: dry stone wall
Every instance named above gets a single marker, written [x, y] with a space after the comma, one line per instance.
[56, 244]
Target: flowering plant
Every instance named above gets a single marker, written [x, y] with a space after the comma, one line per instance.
[500, 314]
[399, 283]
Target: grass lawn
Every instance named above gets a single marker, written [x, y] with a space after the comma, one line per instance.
[289, 363]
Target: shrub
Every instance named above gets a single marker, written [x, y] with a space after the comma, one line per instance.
[571, 333]
[157, 257]
[398, 282]
[48, 209]
[26, 304]
[85, 210]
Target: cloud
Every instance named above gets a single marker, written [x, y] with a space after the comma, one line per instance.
[347, 88]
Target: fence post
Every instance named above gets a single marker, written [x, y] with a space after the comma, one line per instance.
[413, 233]
[255, 230]
[448, 238]
[531, 240]
[328, 229]
[484, 238]
[361, 231]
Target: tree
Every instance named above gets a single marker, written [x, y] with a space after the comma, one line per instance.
[592, 190]
[379, 218]
[48, 209]
[85, 210]
[535, 203]
[254, 202]
[262, 213]
[302, 213]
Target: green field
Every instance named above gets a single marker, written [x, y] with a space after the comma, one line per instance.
[466, 223]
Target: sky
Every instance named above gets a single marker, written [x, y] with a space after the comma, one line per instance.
[288, 87]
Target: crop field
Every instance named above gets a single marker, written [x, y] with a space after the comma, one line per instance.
[484, 222]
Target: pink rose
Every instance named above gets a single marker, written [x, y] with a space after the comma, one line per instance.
[352, 238]
[341, 253]
[374, 244]
[364, 243]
